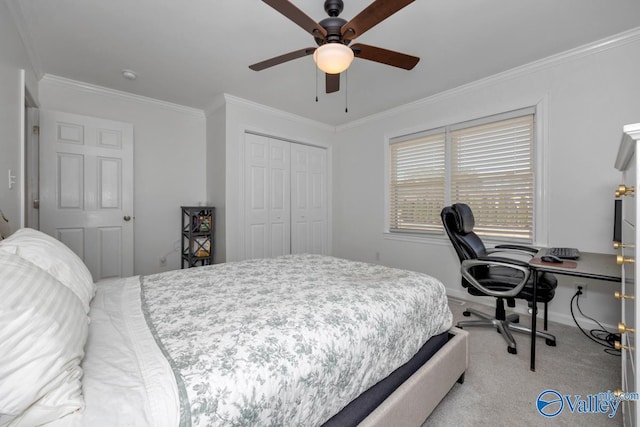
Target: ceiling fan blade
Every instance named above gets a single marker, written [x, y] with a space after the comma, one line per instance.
[282, 58]
[372, 15]
[332, 82]
[385, 56]
[299, 17]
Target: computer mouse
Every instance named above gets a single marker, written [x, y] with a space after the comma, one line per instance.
[551, 258]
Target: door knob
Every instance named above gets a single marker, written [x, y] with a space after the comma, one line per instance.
[127, 218]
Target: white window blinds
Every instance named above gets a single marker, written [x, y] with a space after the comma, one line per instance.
[487, 164]
[417, 183]
[492, 172]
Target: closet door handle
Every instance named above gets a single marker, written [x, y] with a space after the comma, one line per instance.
[127, 218]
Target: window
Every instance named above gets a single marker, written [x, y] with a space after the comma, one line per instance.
[487, 164]
[418, 180]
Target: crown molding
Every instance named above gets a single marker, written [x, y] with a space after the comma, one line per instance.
[612, 42]
[234, 100]
[113, 93]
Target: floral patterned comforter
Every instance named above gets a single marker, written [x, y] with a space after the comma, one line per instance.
[287, 341]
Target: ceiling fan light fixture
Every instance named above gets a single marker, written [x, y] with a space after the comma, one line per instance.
[333, 58]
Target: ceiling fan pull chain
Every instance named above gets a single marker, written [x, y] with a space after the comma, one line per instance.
[346, 91]
[316, 68]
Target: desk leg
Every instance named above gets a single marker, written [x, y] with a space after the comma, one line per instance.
[546, 315]
[534, 317]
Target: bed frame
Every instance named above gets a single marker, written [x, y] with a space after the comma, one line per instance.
[417, 397]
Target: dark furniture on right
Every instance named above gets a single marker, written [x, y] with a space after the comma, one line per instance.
[495, 272]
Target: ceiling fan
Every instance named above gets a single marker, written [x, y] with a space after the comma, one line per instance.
[333, 36]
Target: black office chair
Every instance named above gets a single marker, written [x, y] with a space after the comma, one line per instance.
[489, 272]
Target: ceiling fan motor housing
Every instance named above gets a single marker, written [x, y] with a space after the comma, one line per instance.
[333, 7]
[333, 26]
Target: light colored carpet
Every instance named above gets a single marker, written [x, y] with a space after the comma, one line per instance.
[500, 390]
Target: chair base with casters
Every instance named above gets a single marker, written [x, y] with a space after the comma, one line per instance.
[505, 324]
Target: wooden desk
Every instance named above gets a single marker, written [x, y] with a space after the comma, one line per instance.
[589, 266]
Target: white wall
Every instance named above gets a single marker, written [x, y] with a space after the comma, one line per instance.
[241, 116]
[216, 176]
[13, 60]
[169, 161]
[588, 95]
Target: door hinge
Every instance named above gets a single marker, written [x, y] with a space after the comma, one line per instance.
[36, 130]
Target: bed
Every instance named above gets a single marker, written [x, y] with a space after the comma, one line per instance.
[297, 340]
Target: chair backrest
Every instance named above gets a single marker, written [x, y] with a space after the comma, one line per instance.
[458, 222]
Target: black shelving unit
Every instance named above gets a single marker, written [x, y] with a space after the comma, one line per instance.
[197, 235]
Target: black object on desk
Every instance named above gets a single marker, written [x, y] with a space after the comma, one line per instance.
[551, 258]
[589, 266]
[564, 253]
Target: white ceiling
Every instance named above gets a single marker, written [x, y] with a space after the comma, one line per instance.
[190, 52]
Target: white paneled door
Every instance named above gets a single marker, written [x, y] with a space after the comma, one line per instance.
[285, 198]
[267, 197]
[308, 199]
[86, 189]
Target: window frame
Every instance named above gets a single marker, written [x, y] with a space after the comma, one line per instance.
[540, 216]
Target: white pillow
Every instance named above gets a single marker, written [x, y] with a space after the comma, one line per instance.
[55, 258]
[43, 330]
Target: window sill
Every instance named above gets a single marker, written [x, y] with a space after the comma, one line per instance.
[429, 239]
[443, 240]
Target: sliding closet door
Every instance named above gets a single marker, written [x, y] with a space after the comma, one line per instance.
[308, 199]
[267, 197]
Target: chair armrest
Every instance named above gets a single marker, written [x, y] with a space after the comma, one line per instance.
[523, 248]
[503, 261]
[496, 261]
